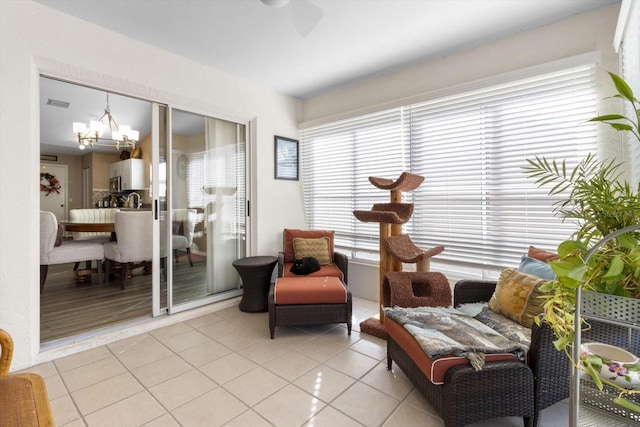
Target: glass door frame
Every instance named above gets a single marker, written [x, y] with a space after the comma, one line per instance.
[156, 130]
[157, 209]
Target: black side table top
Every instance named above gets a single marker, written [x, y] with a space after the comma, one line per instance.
[254, 261]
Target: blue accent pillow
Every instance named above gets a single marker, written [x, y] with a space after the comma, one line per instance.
[536, 267]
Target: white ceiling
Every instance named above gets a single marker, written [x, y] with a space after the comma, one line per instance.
[353, 40]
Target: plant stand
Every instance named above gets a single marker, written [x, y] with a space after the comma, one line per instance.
[588, 405]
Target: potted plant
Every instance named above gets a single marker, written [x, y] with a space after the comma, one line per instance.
[601, 203]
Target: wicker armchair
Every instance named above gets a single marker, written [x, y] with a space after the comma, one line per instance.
[309, 312]
[23, 397]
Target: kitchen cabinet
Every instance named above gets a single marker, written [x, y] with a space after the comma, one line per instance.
[131, 173]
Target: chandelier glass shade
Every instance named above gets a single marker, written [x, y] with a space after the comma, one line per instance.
[119, 135]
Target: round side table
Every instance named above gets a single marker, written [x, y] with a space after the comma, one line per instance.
[255, 272]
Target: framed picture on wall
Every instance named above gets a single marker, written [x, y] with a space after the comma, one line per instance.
[286, 158]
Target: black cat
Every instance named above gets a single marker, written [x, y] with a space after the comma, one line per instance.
[304, 266]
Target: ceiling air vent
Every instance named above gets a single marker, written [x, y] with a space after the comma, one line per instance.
[56, 103]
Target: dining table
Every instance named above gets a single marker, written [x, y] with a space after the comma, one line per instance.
[84, 274]
[90, 227]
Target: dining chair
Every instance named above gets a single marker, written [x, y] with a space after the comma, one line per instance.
[134, 245]
[183, 225]
[54, 250]
[91, 215]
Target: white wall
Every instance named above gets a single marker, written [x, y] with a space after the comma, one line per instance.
[583, 33]
[579, 35]
[35, 38]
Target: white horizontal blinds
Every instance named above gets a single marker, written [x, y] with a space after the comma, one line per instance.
[630, 58]
[222, 167]
[337, 161]
[208, 174]
[447, 149]
[471, 148]
[240, 199]
[195, 177]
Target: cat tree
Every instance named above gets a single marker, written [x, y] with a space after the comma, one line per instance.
[395, 248]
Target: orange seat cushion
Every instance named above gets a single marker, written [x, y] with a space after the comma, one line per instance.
[331, 270]
[436, 369]
[309, 290]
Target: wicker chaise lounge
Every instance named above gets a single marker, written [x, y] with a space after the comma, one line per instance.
[504, 388]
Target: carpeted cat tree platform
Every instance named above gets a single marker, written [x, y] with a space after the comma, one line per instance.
[395, 248]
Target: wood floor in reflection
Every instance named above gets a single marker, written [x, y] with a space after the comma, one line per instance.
[68, 308]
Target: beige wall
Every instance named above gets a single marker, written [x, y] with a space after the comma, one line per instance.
[99, 176]
[100, 169]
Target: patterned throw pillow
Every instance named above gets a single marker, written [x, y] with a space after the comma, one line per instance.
[317, 248]
[517, 296]
[291, 233]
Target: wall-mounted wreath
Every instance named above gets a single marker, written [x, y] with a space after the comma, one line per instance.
[52, 184]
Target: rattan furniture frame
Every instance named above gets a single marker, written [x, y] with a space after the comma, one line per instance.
[466, 400]
[310, 314]
[500, 389]
[23, 397]
[550, 367]
[307, 314]
[468, 396]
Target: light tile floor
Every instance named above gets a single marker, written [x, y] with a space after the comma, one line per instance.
[223, 369]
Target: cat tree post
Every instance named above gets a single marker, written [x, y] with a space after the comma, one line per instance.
[390, 216]
[385, 260]
[396, 229]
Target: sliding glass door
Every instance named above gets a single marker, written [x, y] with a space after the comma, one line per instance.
[207, 200]
[191, 182]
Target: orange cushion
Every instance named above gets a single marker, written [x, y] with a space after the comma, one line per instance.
[309, 290]
[290, 233]
[436, 369]
[331, 270]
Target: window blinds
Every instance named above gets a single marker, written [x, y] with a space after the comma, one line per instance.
[471, 148]
[630, 60]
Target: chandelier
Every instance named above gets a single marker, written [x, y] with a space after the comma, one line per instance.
[91, 135]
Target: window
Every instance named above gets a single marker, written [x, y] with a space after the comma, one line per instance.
[630, 65]
[210, 175]
[471, 148]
